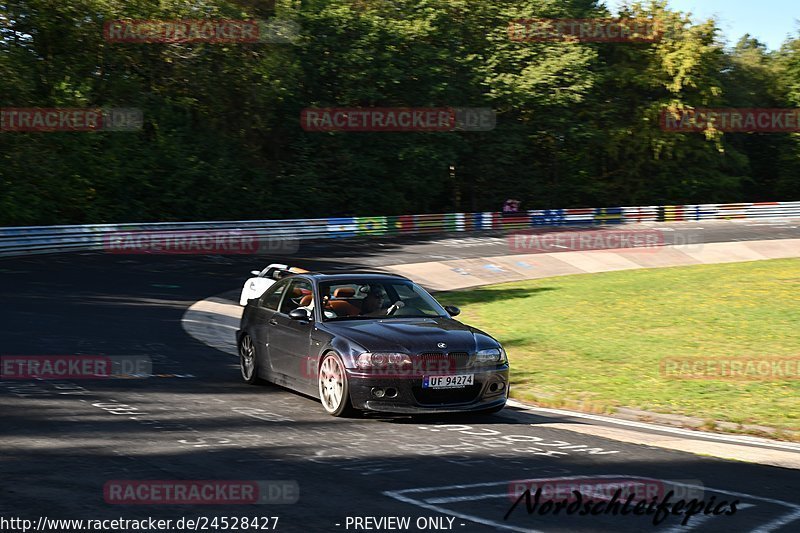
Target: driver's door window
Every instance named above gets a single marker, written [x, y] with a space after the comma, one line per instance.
[298, 295]
[272, 299]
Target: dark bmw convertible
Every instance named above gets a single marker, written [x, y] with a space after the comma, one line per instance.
[376, 342]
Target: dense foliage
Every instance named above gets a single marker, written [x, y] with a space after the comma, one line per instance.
[577, 122]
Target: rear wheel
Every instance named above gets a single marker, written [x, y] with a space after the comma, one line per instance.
[334, 391]
[247, 360]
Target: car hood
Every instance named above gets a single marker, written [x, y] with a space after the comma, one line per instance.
[413, 335]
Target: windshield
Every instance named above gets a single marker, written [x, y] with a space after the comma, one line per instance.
[365, 299]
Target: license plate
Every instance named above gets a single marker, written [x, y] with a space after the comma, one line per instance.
[448, 382]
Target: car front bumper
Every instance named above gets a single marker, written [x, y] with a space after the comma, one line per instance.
[490, 390]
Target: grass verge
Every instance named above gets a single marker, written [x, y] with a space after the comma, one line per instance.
[596, 342]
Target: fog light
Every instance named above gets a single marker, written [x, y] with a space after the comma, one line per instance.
[378, 393]
[497, 387]
[391, 393]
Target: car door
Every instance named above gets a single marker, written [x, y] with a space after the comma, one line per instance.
[263, 315]
[289, 340]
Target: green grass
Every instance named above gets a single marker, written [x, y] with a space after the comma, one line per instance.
[594, 342]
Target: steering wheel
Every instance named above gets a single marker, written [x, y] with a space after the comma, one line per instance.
[394, 308]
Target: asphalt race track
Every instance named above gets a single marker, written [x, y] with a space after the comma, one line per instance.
[61, 442]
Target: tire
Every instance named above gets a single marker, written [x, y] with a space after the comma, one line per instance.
[248, 364]
[334, 391]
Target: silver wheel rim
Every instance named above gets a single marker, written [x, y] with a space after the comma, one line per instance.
[331, 384]
[248, 360]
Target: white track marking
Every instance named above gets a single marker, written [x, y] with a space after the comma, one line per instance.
[665, 429]
[780, 522]
[457, 499]
[398, 496]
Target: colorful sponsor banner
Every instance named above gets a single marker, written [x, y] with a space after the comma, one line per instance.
[392, 225]
[429, 223]
[579, 217]
[608, 215]
[763, 209]
[708, 212]
[485, 220]
[470, 221]
[731, 120]
[371, 225]
[640, 214]
[342, 227]
[673, 213]
[733, 211]
[693, 212]
[453, 222]
[678, 213]
[516, 221]
[400, 224]
[588, 30]
[548, 217]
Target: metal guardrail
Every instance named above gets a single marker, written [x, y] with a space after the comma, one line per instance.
[97, 237]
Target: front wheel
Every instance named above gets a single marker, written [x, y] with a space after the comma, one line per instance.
[334, 391]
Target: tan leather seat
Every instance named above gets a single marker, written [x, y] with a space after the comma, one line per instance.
[306, 300]
[339, 305]
[342, 308]
[344, 292]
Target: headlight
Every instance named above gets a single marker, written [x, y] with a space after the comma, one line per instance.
[490, 356]
[367, 361]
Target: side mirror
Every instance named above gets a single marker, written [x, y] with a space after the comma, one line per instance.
[452, 310]
[255, 272]
[299, 314]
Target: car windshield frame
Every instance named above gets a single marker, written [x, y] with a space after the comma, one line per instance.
[324, 289]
